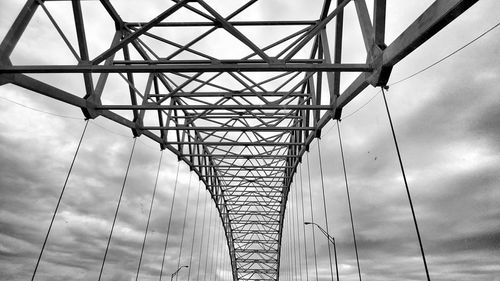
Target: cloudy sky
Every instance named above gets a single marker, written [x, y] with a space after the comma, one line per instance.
[447, 120]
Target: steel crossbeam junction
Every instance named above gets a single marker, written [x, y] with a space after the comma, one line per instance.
[237, 90]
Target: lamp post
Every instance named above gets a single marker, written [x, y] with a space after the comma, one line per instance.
[177, 271]
[332, 240]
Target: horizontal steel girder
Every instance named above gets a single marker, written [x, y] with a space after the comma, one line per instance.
[185, 68]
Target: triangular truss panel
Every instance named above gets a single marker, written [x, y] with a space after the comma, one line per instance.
[238, 90]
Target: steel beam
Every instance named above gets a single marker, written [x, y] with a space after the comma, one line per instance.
[127, 40]
[17, 29]
[432, 20]
[185, 68]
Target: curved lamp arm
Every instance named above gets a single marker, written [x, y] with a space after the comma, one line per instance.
[330, 238]
[177, 271]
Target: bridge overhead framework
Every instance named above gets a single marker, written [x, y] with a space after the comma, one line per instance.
[237, 96]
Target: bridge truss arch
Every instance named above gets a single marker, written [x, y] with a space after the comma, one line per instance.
[237, 91]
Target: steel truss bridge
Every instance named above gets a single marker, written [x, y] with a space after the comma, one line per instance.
[240, 112]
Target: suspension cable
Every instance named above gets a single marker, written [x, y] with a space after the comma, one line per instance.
[283, 253]
[208, 242]
[222, 262]
[225, 264]
[427, 67]
[293, 263]
[170, 219]
[286, 240]
[292, 232]
[326, 215]
[194, 230]
[217, 249]
[407, 188]
[312, 216]
[184, 225]
[283, 250]
[202, 236]
[59, 200]
[211, 252]
[149, 216]
[298, 227]
[288, 252]
[117, 209]
[286, 234]
[348, 199]
[303, 220]
[220, 256]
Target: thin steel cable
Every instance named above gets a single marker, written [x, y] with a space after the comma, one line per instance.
[194, 230]
[348, 199]
[169, 220]
[216, 250]
[117, 209]
[289, 251]
[61, 33]
[208, 243]
[312, 216]
[184, 224]
[407, 188]
[211, 268]
[228, 263]
[286, 252]
[283, 253]
[217, 256]
[224, 253]
[296, 197]
[222, 263]
[41, 111]
[346, 116]
[293, 267]
[303, 220]
[284, 246]
[292, 270]
[292, 241]
[426, 68]
[108, 130]
[149, 216]
[222, 239]
[326, 213]
[224, 258]
[295, 233]
[287, 246]
[59, 201]
[361, 107]
[201, 240]
[447, 56]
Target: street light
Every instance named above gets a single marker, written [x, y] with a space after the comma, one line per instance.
[177, 271]
[332, 240]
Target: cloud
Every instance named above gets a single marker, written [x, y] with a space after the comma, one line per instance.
[446, 119]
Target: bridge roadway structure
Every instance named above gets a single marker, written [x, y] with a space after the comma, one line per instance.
[241, 122]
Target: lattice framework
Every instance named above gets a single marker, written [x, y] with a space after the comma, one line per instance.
[241, 122]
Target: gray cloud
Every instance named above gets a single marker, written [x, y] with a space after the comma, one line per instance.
[447, 121]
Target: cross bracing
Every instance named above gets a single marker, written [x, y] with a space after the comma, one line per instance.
[239, 111]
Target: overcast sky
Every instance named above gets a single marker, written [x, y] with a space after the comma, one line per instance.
[447, 120]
